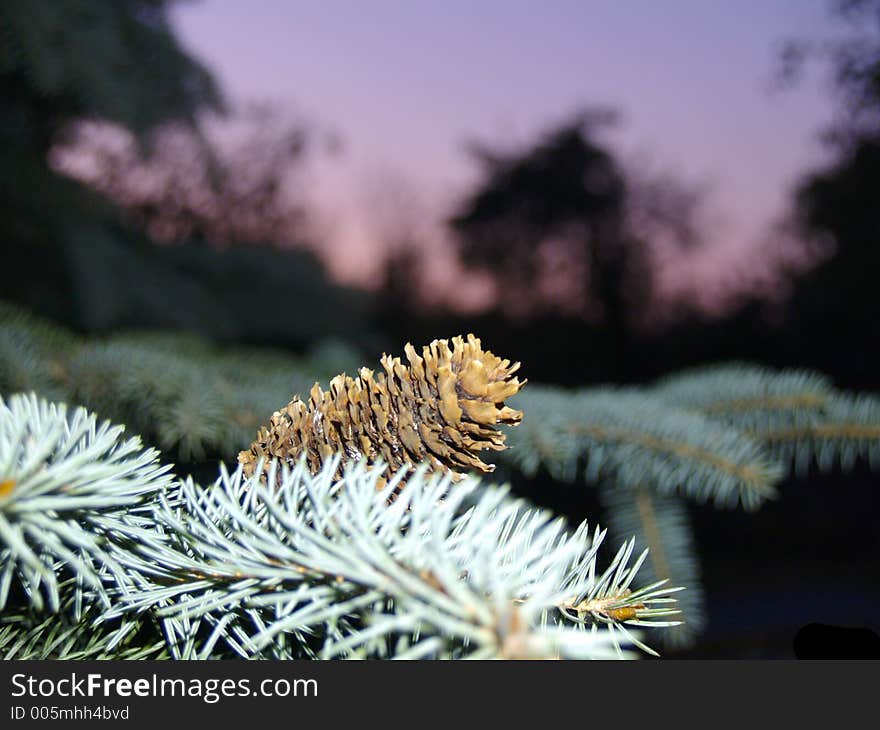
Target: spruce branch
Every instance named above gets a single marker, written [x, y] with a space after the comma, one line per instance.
[67, 484]
[661, 525]
[798, 416]
[33, 353]
[746, 394]
[845, 430]
[725, 434]
[325, 566]
[178, 391]
[634, 439]
[74, 633]
[162, 394]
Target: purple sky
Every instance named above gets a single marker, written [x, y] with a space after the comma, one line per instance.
[405, 84]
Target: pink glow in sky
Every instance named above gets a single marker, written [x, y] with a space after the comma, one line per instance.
[406, 84]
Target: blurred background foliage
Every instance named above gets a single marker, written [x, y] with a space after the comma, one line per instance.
[167, 234]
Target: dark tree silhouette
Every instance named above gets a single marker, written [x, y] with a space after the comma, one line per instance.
[565, 225]
[117, 61]
[853, 58]
[240, 182]
[563, 199]
[86, 255]
[836, 302]
[114, 60]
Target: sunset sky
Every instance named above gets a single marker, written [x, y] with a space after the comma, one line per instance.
[406, 84]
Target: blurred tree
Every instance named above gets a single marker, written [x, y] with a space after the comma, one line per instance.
[854, 61]
[116, 60]
[560, 203]
[78, 74]
[232, 180]
[836, 302]
[64, 61]
[564, 225]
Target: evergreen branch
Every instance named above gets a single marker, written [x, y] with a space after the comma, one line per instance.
[176, 390]
[767, 403]
[73, 634]
[33, 353]
[160, 394]
[846, 429]
[797, 415]
[750, 474]
[662, 526]
[66, 484]
[333, 565]
[324, 567]
[744, 393]
[153, 80]
[633, 438]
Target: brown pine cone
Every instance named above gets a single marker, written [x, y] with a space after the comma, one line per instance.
[440, 410]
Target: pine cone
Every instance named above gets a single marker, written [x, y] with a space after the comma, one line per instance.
[439, 410]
